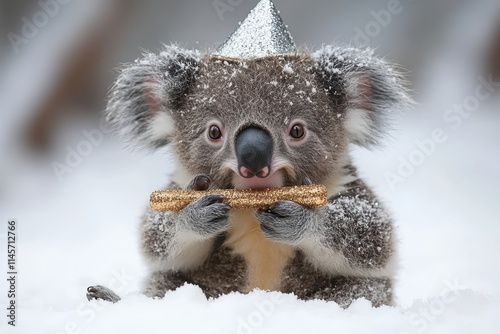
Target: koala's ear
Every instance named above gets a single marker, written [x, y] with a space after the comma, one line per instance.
[146, 94]
[368, 89]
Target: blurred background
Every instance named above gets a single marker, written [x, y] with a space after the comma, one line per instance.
[58, 59]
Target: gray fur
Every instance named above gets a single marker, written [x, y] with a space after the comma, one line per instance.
[342, 251]
[364, 82]
[164, 233]
[352, 223]
[206, 217]
[159, 282]
[260, 92]
[103, 293]
[286, 221]
[222, 273]
[304, 280]
[152, 85]
[357, 225]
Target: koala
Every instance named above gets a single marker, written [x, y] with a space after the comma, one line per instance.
[258, 123]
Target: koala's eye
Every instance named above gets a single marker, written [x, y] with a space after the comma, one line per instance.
[214, 132]
[297, 131]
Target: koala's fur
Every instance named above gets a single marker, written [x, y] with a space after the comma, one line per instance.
[340, 252]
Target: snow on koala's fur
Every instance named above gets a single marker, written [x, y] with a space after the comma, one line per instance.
[268, 122]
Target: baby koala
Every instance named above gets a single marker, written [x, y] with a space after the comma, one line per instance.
[262, 122]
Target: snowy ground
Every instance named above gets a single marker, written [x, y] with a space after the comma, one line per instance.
[83, 231]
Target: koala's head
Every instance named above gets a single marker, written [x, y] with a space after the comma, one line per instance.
[263, 122]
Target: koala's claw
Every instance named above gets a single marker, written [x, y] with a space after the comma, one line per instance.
[210, 199]
[284, 221]
[207, 216]
[103, 293]
[200, 182]
[285, 209]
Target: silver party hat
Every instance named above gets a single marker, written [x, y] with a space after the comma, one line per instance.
[262, 34]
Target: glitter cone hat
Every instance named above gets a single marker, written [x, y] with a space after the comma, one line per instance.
[262, 34]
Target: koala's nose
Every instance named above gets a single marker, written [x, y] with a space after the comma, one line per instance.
[254, 152]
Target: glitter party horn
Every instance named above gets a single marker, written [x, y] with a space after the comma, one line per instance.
[312, 196]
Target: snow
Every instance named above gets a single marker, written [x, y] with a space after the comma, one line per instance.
[83, 231]
[187, 311]
[288, 69]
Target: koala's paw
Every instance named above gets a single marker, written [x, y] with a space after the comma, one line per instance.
[284, 221]
[206, 216]
[101, 292]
